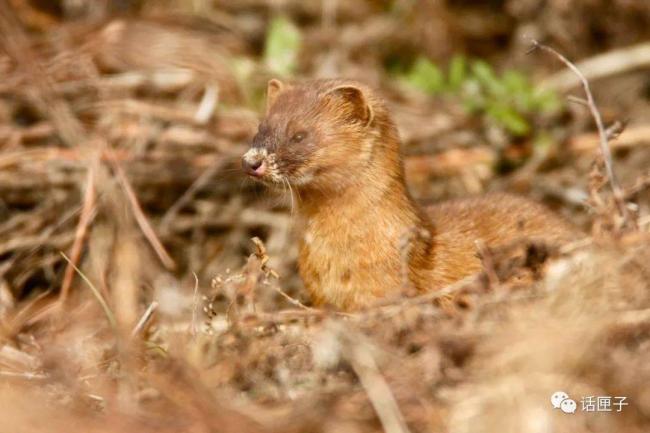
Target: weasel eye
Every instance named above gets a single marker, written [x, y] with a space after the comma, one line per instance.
[298, 137]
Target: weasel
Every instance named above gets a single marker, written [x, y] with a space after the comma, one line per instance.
[334, 143]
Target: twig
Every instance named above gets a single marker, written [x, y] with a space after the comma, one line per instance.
[294, 301]
[378, 391]
[359, 353]
[603, 65]
[604, 145]
[80, 234]
[260, 253]
[614, 130]
[577, 100]
[144, 319]
[195, 304]
[142, 220]
[96, 292]
[397, 305]
[263, 257]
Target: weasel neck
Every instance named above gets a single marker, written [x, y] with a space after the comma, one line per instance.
[371, 199]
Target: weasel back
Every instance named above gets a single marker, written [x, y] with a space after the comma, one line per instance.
[495, 220]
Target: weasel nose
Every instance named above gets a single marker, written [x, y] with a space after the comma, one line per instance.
[253, 166]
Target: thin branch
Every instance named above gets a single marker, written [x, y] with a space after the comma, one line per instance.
[195, 303]
[396, 306]
[294, 301]
[80, 234]
[603, 65]
[378, 391]
[263, 257]
[577, 100]
[359, 352]
[604, 144]
[144, 319]
[142, 220]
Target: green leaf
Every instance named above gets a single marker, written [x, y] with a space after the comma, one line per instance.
[283, 42]
[426, 76]
[509, 118]
[488, 79]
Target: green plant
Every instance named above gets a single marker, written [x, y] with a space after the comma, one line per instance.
[509, 99]
[283, 41]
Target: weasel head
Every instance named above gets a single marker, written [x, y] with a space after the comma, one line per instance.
[317, 135]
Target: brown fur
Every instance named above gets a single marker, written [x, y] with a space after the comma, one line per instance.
[335, 144]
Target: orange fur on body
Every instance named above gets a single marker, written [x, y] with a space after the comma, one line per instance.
[334, 143]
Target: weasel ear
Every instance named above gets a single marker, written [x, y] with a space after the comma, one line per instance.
[273, 89]
[355, 100]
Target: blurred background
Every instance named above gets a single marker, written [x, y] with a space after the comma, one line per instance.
[121, 127]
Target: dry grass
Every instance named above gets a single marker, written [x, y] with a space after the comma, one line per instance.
[118, 147]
